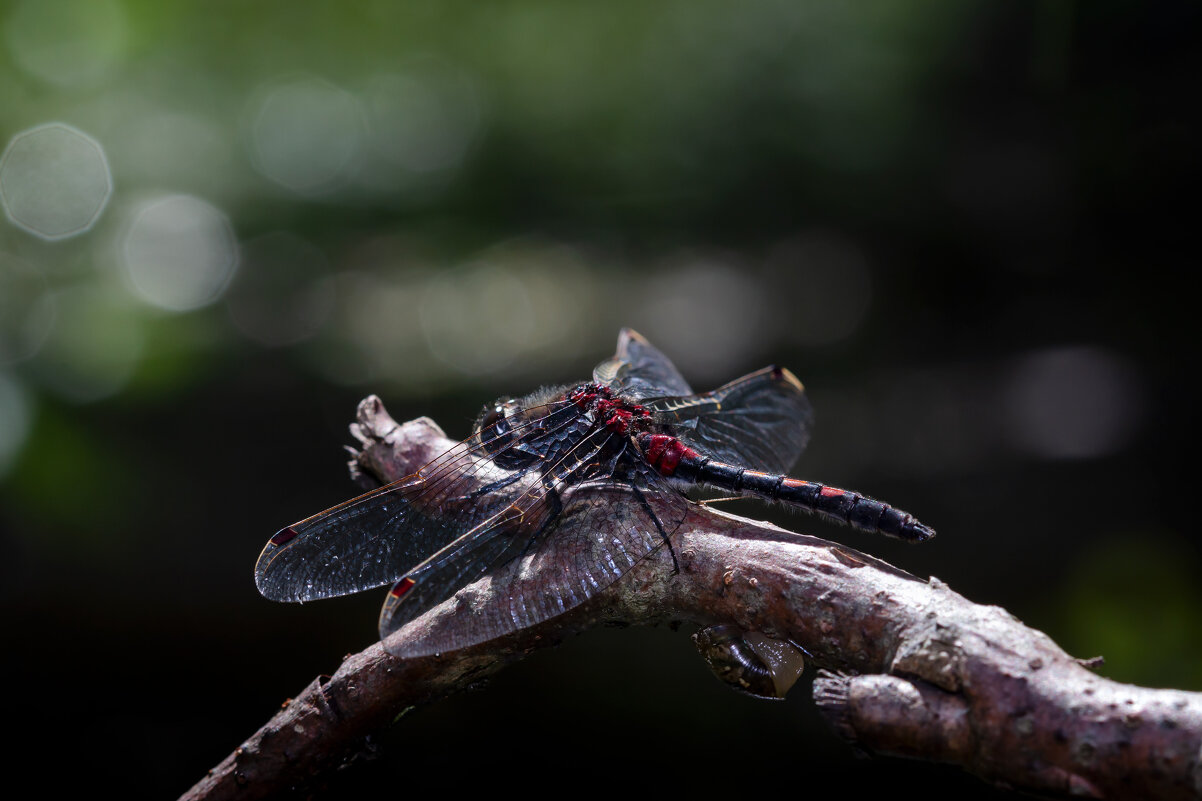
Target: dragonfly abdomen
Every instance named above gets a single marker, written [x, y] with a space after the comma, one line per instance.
[673, 458]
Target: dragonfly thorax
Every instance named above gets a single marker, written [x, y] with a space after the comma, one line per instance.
[603, 406]
[547, 425]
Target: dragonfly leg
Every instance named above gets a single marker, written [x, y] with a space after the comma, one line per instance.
[555, 507]
[496, 485]
[719, 499]
[658, 526]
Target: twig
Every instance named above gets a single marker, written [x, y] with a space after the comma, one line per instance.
[922, 672]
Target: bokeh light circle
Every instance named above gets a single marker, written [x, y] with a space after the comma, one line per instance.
[424, 120]
[305, 133]
[66, 42]
[54, 181]
[180, 253]
[1074, 402]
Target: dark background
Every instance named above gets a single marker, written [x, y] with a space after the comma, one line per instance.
[967, 227]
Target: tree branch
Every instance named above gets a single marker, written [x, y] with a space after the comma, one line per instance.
[923, 672]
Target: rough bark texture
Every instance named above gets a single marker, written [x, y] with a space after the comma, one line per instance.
[921, 671]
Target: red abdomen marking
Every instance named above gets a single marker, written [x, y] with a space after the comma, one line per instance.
[832, 492]
[664, 452]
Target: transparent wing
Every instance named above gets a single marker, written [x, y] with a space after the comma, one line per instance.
[372, 540]
[761, 420]
[638, 370]
[602, 528]
[513, 529]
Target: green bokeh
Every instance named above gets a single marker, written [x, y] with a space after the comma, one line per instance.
[1136, 601]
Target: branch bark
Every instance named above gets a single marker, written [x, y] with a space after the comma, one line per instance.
[911, 668]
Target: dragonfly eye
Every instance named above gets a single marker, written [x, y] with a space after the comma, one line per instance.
[492, 426]
[492, 416]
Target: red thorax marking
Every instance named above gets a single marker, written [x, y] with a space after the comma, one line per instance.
[614, 413]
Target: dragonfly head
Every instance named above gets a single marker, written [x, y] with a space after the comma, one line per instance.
[493, 426]
[507, 429]
[510, 430]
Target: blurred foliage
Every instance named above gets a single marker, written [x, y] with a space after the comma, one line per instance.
[91, 519]
[405, 146]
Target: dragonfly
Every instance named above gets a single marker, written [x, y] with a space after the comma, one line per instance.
[576, 483]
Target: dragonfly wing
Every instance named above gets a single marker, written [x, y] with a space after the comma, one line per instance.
[761, 420]
[447, 572]
[371, 540]
[638, 369]
[603, 528]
